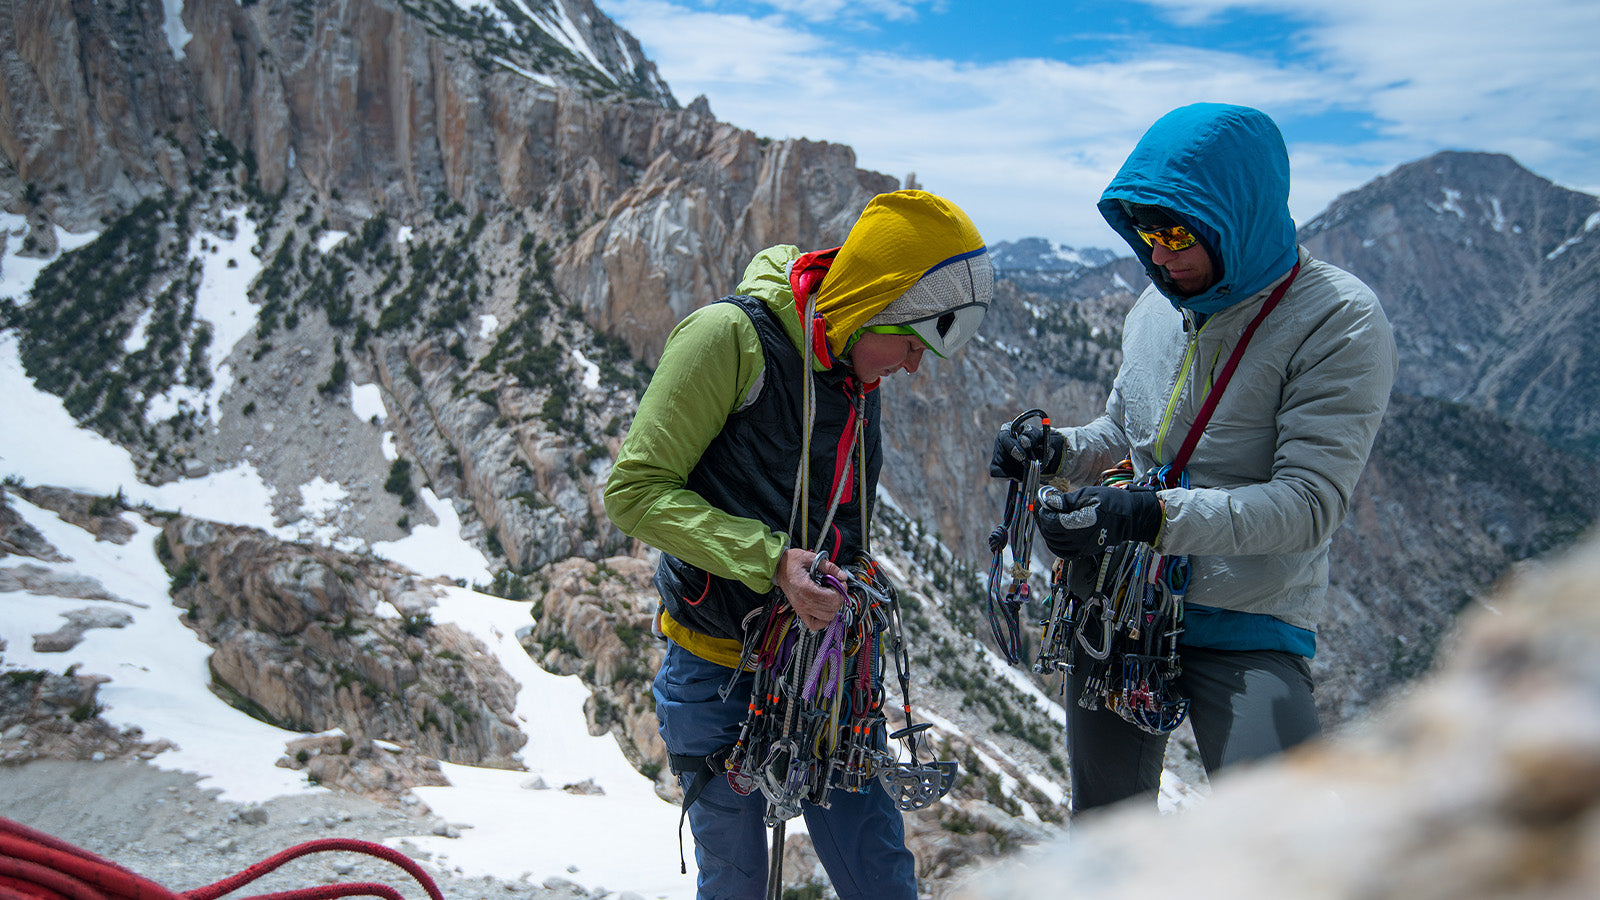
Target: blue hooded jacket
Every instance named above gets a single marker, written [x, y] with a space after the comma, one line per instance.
[1225, 170]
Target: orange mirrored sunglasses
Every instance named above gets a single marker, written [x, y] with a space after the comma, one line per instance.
[1174, 238]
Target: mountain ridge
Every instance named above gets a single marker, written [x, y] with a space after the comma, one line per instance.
[493, 263]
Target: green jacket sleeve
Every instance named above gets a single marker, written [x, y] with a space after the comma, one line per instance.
[710, 363]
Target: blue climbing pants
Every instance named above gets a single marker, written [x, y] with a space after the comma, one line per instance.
[860, 838]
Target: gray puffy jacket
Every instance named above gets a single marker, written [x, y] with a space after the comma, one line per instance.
[1271, 479]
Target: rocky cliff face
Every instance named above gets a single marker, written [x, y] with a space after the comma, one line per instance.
[373, 101]
[682, 234]
[492, 234]
[96, 113]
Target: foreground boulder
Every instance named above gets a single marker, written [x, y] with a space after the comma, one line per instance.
[1484, 781]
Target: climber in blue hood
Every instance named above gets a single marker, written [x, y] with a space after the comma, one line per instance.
[1253, 380]
[1223, 173]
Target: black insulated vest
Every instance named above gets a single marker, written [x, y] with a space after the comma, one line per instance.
[749, 470]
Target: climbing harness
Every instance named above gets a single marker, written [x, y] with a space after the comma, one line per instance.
[1016, 532]
[1115, 619]
[37, 866]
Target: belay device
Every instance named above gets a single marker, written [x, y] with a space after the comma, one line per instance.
[1114, 618]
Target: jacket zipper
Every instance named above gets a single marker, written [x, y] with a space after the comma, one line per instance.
[1179, 381]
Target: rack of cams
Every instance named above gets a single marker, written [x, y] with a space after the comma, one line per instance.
[1114, 618]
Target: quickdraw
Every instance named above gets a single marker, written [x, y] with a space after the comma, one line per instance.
[1118, 617]
[816, 720]
[1015, 531]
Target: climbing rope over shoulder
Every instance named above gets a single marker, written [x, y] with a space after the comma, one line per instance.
[37, 866]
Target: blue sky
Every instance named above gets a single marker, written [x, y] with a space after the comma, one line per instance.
[1022, 111]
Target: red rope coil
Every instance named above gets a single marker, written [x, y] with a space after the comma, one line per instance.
[37, 866]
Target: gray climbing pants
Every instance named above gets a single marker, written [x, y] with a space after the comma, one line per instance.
[1243, 705]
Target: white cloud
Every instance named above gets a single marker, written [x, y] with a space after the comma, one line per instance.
[850, 11]
[1508, 76]
[1446, 72]
[702, 49]
[1025, 145]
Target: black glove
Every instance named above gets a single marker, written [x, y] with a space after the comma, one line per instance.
[1089, 520]
[1012, 452]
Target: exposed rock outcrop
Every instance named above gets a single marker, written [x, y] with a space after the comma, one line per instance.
[100, 516]
[45, 715]
[681, 236]
[39, 580]
[595, 621]
[18, 538]
[300, 641]
[78, 621]
[379, 771]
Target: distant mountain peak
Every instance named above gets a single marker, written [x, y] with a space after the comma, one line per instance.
[1488, 273]
[1037, 254]
[1463, 189]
